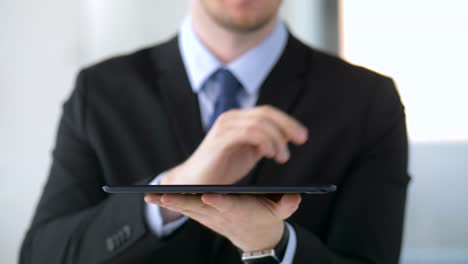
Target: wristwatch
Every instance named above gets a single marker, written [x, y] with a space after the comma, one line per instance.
[268, 256]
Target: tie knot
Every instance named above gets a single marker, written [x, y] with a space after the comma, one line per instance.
[229, 84]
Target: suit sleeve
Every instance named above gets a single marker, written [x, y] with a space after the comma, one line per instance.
[367, 220]
[76, 222]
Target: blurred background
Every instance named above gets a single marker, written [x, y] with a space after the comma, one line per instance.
[421, 44]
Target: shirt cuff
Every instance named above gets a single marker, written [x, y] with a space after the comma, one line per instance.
[291, 247]
[154, 218]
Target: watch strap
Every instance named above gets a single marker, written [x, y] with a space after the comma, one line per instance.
[273, 256]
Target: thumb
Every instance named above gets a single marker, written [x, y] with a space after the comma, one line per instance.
[287, 205]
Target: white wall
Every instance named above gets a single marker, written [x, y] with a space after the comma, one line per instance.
[42, 46]
[38, 58]
[423, 45]
[114, 26]
[436, 228]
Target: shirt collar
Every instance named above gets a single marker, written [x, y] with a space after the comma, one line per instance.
[250, 69]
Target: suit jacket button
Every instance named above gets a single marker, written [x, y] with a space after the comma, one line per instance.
[127, 230]
[110, 244]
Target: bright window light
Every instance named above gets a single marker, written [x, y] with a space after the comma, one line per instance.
[423, 46]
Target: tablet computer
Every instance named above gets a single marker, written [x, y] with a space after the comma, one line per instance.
[220, 189]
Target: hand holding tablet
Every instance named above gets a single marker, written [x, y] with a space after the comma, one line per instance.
[234, 145]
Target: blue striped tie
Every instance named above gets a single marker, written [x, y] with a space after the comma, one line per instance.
[230, 88]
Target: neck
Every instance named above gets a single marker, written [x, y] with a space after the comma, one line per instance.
[226, 44]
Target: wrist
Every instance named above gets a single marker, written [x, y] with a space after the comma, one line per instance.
[271, 255]
[193, 171]
[180, 175]
[265, 240]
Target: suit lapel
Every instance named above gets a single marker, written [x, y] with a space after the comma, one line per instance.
[286, 80]
[281, 89]
[180, 102]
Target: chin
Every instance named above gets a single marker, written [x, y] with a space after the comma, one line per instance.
[242, 15]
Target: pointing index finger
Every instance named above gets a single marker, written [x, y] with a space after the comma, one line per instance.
[289, 126]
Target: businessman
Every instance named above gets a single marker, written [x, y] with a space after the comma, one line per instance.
[234, 98]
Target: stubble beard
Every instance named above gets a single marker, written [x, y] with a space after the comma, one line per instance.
[240, 26]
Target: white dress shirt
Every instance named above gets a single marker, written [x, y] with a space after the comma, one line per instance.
[250, 69]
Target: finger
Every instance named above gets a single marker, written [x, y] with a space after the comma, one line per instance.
[234, 128]
[270, 135]
[192, 207]
[287, 205]
[195, 215]
[252, 127]
[275, 197]
[293, 129]
[186, 203]
[256, 128]
[277, 138]
[222, 203]
[253, 136]
[153, 198]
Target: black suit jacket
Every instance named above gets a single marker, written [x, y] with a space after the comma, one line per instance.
[132, 117]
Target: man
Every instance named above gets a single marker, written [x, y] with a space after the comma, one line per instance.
[220, 104]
